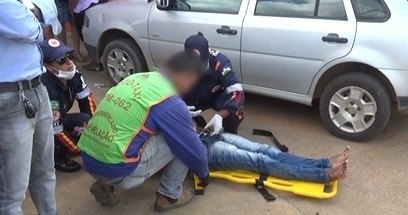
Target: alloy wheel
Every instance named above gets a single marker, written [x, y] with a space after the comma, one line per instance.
[352, 109]
[119, 64]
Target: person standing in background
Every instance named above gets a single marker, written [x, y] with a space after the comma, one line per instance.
[26, 137]
[65, 16]
[80, 7]
[46, 13]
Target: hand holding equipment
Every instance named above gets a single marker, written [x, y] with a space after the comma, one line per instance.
[216, 124]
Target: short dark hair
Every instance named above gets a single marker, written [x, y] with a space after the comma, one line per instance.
[184, 62]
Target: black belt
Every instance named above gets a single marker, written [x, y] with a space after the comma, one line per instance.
[25, 84]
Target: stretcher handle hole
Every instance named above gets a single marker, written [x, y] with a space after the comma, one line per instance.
[328, 188]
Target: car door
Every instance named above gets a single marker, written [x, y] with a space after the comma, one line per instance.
[286, 42]
[219, 20]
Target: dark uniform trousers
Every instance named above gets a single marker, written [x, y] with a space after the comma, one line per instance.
[73, 123]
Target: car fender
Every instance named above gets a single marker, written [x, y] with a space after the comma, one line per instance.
[376, 59]
[132, 22]
[139, 37]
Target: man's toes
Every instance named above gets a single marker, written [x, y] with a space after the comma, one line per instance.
[346, 151]
[343, 173]
[345, 167]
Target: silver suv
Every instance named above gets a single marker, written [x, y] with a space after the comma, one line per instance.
[348, 55]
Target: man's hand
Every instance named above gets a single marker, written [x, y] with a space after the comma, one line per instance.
[36, 11]
[193, 111]
[205, 181]
[215, 123]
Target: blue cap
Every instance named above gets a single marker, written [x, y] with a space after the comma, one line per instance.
[54, 49]
[200, 43]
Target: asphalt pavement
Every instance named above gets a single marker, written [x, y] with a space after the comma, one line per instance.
[377, 183]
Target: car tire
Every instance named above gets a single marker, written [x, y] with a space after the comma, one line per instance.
[355, 106]
[122, 58]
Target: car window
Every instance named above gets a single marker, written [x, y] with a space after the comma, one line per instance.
[210, 6]
[371, 10]
[332, 9]
[325, 9]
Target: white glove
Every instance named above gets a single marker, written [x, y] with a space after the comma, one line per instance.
[216, 124]
[193, 112]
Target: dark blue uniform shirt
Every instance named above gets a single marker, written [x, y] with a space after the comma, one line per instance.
[219, 88]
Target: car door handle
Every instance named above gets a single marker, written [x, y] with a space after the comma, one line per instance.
[226, 30]
[334, 38]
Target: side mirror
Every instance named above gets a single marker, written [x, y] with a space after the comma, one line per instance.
[163, 4]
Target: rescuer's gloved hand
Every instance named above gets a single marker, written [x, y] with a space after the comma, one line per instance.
[193, 111]
[215, 123]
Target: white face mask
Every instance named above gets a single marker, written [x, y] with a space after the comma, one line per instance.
[66, 75]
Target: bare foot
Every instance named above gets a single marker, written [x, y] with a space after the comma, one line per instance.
[335, 173]
[344, 171]
[340, 165]
[339, 159]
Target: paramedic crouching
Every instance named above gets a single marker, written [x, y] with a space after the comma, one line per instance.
[218, 89]
[142, 126]
[65, 84]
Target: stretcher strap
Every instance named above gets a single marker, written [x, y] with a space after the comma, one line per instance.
[259, 185]
[266, 133]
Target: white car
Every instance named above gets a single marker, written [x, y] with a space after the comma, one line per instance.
[350, 55]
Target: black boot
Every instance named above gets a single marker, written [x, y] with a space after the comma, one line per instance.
[62, 162]
[67, 165]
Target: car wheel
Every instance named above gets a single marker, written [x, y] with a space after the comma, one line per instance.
[355, 106]
[122, 58]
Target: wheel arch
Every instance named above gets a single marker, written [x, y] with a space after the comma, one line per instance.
[348, 67]
[114, 34]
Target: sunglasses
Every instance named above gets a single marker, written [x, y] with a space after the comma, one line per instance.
[63, 60]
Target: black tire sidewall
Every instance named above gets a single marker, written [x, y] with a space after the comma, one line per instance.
[131, 49]
[372, 85]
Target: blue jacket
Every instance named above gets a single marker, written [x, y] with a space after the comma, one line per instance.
[172, 119]
[219, 88]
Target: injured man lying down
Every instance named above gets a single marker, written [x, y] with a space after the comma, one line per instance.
[232, 152]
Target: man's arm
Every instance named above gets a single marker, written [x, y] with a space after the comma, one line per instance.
[84, 96]
[58, 128]
[174, 121]
[18, 22]
[87, 105]
[232, 99]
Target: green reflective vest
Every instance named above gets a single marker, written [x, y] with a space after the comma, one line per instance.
[120, 117]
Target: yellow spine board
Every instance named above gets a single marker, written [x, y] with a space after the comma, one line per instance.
[301, 188]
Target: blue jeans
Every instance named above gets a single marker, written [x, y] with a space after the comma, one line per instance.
[232, 152]
[155, 157]
[26, 153]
